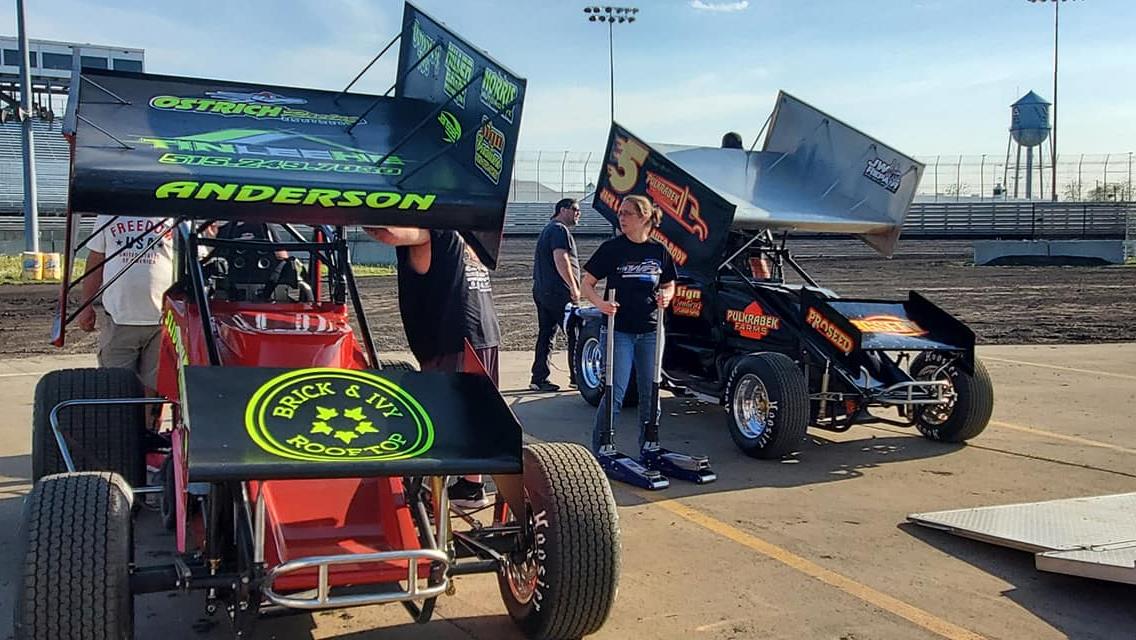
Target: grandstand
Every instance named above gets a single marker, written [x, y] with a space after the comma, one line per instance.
[52, 155]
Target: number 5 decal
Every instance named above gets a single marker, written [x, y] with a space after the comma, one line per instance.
[629, 154]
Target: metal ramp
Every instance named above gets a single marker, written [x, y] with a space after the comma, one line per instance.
[1093, 537]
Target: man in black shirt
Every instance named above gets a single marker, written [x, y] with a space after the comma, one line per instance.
[556, 283]
[444, 298]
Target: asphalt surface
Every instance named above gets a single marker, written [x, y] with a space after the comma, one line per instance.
[812, 547]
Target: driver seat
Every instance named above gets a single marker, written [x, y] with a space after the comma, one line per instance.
[255, 275]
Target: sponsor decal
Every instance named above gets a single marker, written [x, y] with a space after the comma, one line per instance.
[883, 174]
[265, 149]
[752, 322]
[256, 110]
[459, 69]
[451, 128]
[627, 156]
[834, 334]
[687, 302]
[259, 97]
[489, 150]
[677, 254]
[497, 92]
[888, 324]
[423, 43]
[678, 203]
[326, 415]
[305, 196]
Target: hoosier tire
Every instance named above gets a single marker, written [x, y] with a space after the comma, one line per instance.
[77, 550]
[767, 405]
[564, 583]
[589, 364]
[973, 404]
[101, 438]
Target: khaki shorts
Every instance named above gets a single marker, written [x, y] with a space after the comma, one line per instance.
[134, 347]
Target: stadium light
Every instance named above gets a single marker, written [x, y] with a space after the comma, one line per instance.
[1053, 132]
[611, 16]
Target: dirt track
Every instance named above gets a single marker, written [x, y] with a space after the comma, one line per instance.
[1004, 305]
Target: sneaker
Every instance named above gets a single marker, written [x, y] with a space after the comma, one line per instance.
[467, 495]
[544, 386]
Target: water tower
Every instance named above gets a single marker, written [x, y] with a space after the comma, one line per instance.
[1029, 127]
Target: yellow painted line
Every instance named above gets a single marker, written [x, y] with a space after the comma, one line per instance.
[1107, 374]
[908, 612]
[1061, 436]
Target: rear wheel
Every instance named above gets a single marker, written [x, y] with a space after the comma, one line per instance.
[589, 364]
[100, 438]
[767, 405]
[561, 583]
[970, 399]
[78, 546]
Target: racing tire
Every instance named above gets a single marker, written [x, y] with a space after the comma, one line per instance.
[563, 583]
[397, 365]
[588, 361]
[767, 405]
[100, 438]
[77, 550]
[973, 403]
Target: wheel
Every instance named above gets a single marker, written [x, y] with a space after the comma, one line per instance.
[77, 551]
[971, 399]
[100, 438]
[397, 365]
[562, 583]
[589, 363]
[767, 405]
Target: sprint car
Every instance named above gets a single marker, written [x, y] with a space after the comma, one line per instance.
[300, 471]
[749, 329]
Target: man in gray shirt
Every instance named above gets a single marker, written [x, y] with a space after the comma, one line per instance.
[556, 282]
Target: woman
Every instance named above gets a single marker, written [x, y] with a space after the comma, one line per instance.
[642, 274]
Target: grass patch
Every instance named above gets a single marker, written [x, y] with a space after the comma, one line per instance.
[11, 268]
[369, 270]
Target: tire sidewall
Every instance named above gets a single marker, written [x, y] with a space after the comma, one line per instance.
[760, 368]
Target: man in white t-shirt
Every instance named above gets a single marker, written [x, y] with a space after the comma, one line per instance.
[132, 304]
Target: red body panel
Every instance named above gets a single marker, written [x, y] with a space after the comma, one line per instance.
[304, 517]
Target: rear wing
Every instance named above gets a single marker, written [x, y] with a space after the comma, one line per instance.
[437, 155]
[814, 174]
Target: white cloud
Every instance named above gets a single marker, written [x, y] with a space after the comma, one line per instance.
[721, 7]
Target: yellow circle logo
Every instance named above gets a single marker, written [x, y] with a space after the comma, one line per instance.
[324, 415]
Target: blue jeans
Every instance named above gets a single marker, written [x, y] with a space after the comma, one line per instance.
[637, 348]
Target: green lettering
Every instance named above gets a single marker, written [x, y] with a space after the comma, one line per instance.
[215, 148]
[283, 412]
[352, 199]
[382, 199]
[204, 104]
[165, 102]
[179, 189]
[289, 195]
[224, 107]
[323, 197]
[216, 191]
[254, 193]
[157, 143]
[422, 202]
[298, 441]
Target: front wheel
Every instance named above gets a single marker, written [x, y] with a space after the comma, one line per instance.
[78, 548]
[969, 404]
[561, 582]
[767, 405]
[588, 360]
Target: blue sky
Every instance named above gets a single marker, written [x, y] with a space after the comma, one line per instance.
[926, 76]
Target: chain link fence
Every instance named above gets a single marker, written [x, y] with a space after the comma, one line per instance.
[547, 176]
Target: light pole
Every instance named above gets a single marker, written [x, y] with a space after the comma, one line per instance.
[1053, 132]
[611, 15]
